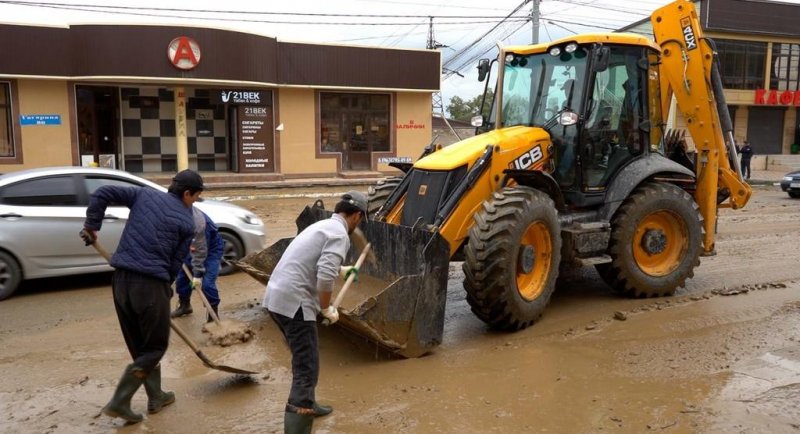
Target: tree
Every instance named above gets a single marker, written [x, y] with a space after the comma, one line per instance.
[464, 110]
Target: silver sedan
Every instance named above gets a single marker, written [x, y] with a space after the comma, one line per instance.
[42, 210]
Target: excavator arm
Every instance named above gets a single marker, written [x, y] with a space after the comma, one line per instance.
[689, 72]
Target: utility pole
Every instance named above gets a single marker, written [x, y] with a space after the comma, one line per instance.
[437, 107]
[535, 22]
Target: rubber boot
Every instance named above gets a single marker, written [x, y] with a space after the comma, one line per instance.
[120, 403]
[157, 399]
[295, 423]
[184, 308]
[215, 308]
[322, 410]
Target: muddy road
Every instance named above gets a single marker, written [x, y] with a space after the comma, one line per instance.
[723, 355]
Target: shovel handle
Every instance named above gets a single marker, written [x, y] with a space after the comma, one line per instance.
[206, 303]
[352, 276]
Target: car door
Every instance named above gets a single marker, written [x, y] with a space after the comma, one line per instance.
[40, 219]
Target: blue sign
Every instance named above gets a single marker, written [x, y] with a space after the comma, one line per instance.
[40, 119]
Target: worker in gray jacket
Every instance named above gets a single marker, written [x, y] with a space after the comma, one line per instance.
[299, 289]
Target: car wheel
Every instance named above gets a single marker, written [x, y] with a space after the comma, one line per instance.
[231, 251]
[10, 275]
[794, 194]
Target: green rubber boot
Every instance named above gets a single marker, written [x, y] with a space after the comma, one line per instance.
[157, 399]
[184, 308]
[322, 410]
[120, 403]
[295, 423]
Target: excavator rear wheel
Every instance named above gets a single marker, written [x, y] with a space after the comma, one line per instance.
[656, 238]
[378, 193]
[512, 258]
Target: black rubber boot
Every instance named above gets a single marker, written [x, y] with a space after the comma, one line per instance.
[120, 403]
[157, 399]
[184, 308]
[322, 410]
[295, 423]
[215, 308]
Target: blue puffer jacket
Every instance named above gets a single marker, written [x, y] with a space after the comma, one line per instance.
[156, 238]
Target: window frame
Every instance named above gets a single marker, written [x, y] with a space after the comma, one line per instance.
[390, 112]
[740, 78]
[13, 124]
[793, 55]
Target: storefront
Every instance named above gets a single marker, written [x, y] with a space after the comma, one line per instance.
[760, 68]
[208, 99]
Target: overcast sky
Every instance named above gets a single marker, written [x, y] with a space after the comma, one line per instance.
[458, 24]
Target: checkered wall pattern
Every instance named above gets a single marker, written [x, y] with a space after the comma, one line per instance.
[148, 131]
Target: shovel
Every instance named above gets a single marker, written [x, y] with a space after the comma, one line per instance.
[210, 310]
[206, 361]
[350, 279]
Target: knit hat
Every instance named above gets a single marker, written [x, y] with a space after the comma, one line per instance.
[190, 179]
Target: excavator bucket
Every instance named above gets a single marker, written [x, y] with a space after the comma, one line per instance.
[398, 301]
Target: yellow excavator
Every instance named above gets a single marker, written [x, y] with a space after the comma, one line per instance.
[573, 165]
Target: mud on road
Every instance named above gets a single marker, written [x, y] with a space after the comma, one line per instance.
[720, 356]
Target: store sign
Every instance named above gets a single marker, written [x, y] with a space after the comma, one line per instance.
[40, 119]
[238, 97]
[410, 125]
[256, 148]
[388, 160]
[184, 52]
[777, 97]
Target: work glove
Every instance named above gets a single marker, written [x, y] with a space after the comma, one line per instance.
[331, 315]
[346, 270]
[197, 283]
[88, 236]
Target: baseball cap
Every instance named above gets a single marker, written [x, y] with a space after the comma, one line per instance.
[356, 198]
[189, 178]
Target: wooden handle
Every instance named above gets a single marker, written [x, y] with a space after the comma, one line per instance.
[352, 276]
[184, 336]
[206, 303]
[102, 251]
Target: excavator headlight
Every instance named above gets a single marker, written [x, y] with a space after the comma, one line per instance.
[571, 47]
[555, 51]
[509, 58]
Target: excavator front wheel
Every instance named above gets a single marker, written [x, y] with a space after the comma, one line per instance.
[512, 258]
[656, 238]
[378, 193]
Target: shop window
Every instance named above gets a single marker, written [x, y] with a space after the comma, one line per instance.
[742, 63]
[354, 122]
[785, 67]
[6, 127]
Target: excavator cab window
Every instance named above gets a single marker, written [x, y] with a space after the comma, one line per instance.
[617, 119]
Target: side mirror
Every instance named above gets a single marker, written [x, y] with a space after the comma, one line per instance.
[601, 57]
[568, 118]
[476, 121]
[483, 69]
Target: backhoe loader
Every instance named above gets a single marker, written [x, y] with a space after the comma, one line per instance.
[573, 165]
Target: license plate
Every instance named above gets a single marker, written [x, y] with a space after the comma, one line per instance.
[794, 185]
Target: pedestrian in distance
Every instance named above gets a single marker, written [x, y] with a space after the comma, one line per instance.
[746, 153]
[154, 243]
[204, 262]
[299, 289]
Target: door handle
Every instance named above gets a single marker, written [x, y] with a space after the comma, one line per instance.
[11, 215]
[110, 217]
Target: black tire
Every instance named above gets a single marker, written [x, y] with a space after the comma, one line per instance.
[499, 290]
[10, 275]
[233, 250]
[378, 193]
[794, 194]
[666, 222]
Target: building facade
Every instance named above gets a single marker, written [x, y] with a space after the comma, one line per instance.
[759, 51]
[152, 99]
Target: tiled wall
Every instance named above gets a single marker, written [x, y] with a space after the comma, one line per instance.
[148, 130]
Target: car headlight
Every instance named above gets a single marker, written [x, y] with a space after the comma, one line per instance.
[787, 178]
[251, 219]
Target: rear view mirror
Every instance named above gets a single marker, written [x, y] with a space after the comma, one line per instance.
[476, 121]
[483, 69]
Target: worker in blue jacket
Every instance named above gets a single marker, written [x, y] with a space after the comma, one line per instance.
[204, 262]
[154, 243]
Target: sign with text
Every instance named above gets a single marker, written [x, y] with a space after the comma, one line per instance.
[777, 97]
[256, 145]
[40, 119]
[387, 160]
[238, 96]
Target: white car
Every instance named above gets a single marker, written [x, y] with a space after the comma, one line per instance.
[42, 211]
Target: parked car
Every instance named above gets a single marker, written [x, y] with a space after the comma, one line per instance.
[791, 184]
[42, 211]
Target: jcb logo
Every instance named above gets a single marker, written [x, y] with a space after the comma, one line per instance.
[688, 34]
[527, 159]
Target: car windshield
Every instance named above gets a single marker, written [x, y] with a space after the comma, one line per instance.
[536, 87]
